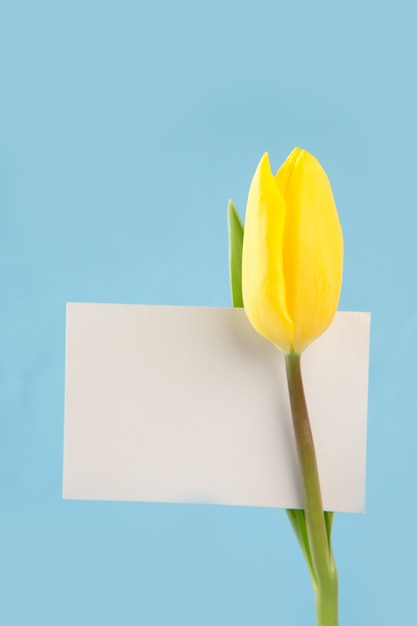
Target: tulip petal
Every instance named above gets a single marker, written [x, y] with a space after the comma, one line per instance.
[313, 247]
[263, 278]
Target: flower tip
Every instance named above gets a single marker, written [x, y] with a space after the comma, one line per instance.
[264, 166]
[295, 155]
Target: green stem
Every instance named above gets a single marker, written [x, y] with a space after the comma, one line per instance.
[325, 573]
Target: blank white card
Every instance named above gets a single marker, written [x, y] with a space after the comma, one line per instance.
[190, 404]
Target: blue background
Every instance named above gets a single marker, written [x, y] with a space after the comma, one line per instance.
[124, 129]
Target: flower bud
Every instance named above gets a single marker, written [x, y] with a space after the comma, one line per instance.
[292, 261]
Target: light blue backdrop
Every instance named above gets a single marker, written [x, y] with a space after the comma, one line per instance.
[124, 129]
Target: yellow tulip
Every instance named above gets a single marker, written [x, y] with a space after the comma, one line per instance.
[292, 259]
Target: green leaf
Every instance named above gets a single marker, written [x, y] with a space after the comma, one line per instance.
[235, 254]
[298, 522]
[296, 516]
[328, 518]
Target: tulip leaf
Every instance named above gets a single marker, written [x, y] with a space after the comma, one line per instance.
[298, 522]
[328, 518]
[296, 516]
[235, 254]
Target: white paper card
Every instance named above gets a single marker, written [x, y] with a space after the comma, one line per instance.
[190, 404]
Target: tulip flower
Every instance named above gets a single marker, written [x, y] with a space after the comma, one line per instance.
[292, 252]
[287, 273]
